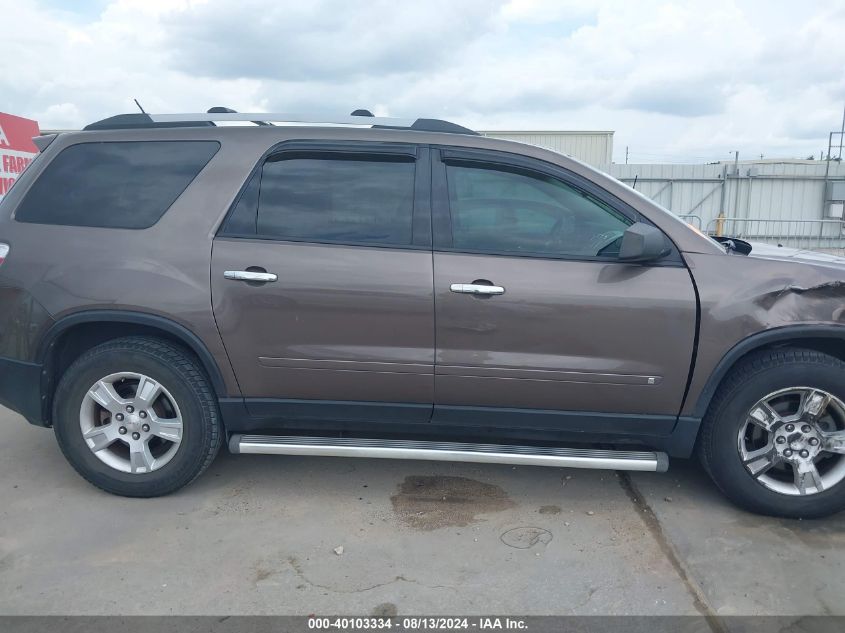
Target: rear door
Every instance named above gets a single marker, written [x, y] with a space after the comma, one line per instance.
[565, 336]
[322, 283]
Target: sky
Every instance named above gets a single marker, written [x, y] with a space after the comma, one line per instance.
[682, 81]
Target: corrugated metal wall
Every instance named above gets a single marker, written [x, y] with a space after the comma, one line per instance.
[684, 189]
[593, 148]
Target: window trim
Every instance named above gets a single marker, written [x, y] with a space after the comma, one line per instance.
[441, 156]
[46, 167]
[421, 238]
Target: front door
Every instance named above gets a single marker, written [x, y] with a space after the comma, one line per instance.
[538, 324]
[322, 284]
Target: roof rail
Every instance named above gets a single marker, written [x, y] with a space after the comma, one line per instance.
[134, 121]
[220, 109]
[139, 121]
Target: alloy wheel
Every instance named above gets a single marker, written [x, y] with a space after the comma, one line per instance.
[131, 422]
[793, 441]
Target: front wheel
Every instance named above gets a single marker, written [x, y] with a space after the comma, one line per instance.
[137, 417]
[773, 439]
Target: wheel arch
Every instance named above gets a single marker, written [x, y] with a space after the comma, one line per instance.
[825, 338]
[74, 334]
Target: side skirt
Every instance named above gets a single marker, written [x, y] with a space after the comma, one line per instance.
[449, 452]
[484, 425]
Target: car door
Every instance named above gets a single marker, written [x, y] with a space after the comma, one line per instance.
[564, 336]
[322, 283]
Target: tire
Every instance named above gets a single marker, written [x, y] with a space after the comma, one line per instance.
[729, 427]
[182, 431]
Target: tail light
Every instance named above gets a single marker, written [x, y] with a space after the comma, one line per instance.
[4, 251]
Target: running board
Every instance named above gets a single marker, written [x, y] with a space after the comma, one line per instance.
[450, 452]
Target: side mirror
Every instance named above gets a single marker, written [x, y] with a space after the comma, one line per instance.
[643, 243]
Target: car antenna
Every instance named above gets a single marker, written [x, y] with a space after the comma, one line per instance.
[634, 186]
[139, 106]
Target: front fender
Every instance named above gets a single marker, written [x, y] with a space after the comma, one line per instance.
[777, 336]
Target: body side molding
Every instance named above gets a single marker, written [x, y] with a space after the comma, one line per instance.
[386, 420]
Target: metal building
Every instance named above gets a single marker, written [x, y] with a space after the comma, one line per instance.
[592, 147]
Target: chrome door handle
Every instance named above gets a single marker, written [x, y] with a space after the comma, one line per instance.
[248, 275]
[477, 289]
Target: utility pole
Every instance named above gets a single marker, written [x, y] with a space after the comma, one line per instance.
[736, 183]
[827, 171]
[842, 134]
[720, 220]
[626, 149]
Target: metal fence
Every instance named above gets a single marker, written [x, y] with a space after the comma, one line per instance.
[821, 235]
[775, 202]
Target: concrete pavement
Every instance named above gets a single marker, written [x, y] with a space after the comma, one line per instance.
[257, 534]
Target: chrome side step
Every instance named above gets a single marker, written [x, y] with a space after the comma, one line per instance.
[450, 452]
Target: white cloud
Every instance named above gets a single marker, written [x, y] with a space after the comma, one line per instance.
[323, 40]
[674, 79]
[64, 115]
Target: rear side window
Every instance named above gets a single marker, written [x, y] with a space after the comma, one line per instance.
[124, 185]
[367, 200]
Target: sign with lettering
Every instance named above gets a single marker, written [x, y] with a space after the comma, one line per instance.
[16, 148]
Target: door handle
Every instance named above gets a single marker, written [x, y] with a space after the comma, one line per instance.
[477, 289]
[249, 275]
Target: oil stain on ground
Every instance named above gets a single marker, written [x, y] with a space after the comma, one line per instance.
[434, 502]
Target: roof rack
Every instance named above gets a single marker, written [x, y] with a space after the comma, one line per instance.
[220, 114]
[223, 109]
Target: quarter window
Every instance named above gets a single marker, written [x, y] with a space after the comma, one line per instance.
[244, 216]
[367, 200]
[502, 211]
[125, 185]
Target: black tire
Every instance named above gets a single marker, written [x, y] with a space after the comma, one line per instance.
[180, 374]
[755, 377]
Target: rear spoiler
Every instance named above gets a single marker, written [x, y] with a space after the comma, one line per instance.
[43, 142]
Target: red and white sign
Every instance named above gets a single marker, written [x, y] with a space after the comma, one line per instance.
[16, 148]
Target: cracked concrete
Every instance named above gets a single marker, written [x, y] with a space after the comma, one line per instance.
[653, 525]
[297, 567]
[256, 534]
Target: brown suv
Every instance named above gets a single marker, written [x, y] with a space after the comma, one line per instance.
[402, 289]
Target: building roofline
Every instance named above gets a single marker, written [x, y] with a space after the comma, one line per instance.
[571, 132]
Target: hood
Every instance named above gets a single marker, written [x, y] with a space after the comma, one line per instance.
[783, 253]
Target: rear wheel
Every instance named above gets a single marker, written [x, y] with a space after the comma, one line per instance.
[774, 437]
[137, 417]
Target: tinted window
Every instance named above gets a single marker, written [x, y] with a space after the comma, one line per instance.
[115, 185]
[337, 200]
[512, 212]
[243, 218]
